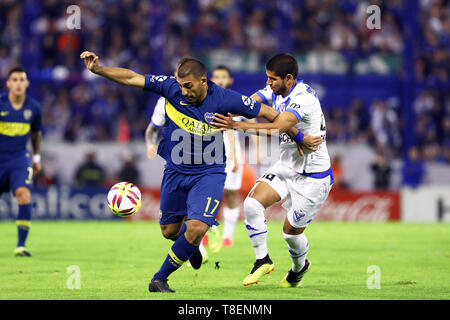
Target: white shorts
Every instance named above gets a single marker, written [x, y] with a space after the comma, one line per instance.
[304, 195]
[234, 179]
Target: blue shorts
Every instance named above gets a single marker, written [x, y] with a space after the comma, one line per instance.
[15, 174]
[195, 196]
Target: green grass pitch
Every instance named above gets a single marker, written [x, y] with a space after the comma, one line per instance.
[117, 260]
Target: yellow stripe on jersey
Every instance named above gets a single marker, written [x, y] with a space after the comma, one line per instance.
[13, 129]
[189, 124]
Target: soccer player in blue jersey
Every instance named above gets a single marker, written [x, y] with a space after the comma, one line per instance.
[194, 173]
[20, 118]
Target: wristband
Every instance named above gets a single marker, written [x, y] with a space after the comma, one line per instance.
[36, 158]
[299, 137]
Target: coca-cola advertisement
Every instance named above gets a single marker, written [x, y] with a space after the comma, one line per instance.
[344, 205]
[341, 205]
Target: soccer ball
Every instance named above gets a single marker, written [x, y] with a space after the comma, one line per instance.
[124, 199]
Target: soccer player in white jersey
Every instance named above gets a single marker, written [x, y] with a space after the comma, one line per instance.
[304, 182]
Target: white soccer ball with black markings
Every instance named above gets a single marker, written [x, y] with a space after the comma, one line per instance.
[124, 199]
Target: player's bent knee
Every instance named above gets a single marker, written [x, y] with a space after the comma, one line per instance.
[291, 230]
[195, 231]
[252, 207]
[264, 194]
[169, 231]
[23, 195]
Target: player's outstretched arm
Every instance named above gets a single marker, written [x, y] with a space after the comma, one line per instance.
[282, 122]
[119, 75]
[310, 142]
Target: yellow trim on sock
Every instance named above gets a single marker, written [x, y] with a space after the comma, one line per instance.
[23, 223]
[175, 258]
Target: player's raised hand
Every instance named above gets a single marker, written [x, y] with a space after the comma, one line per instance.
[90, 60]
[225, 122]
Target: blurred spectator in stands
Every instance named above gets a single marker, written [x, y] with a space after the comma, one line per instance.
[385, 125]
[446, 153]
[413, 170]
[338, 173]
[358, 123]
[381, 172]
[90, 173]
[336, 124]
[129, 172]
[432, 127]
[150, 36]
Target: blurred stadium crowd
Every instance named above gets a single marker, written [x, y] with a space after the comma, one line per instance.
[135, 34]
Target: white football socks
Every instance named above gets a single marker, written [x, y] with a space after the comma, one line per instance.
[230, 218]
[255, 223]
[202, 249]
[298, 248]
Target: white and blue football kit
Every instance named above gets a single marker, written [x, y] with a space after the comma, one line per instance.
[304, 182]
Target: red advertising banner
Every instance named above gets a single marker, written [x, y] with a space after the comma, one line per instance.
[341, 205]
[360, 206]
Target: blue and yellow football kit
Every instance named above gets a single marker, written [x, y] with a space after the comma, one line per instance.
[15, 163]
[194, 174]
[15, 127]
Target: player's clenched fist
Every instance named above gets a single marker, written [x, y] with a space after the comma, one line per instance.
[90, 60]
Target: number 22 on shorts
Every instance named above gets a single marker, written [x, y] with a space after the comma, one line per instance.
[207, 207]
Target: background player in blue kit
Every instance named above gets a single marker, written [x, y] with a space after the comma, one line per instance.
[194, 174]
[20, 118]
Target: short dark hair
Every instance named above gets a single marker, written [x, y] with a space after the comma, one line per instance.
[16, 69]
[187, 66]
[283, 64]
[222, 67]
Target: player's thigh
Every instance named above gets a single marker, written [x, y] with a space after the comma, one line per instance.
[270, 188]
[264, 194]
[205, 196]
[21, 181]
[172, 206]
[306, 198]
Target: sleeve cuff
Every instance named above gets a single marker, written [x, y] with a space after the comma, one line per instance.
[263, 98]
[299, 137]
[299, 117]
[147, 82]
[155, 125]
